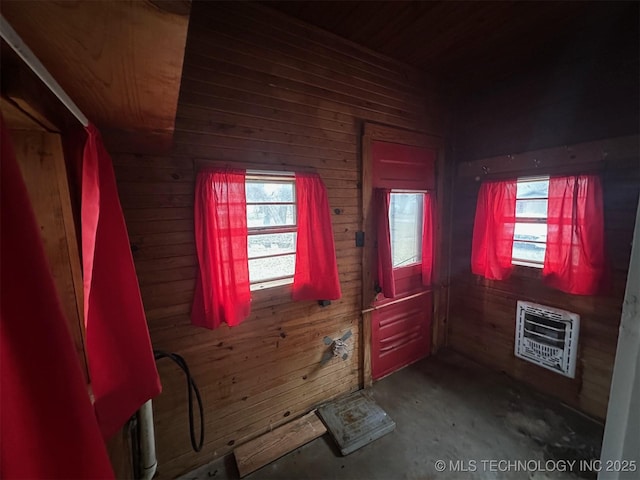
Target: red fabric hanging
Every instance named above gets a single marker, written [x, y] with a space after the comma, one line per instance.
[428, 232]
[222, 290]
[493, 230]
[386, 280]
[574, 261]
[47, 424]
[316, 273]
[119, 354]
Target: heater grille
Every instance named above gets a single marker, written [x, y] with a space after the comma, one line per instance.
[547, 337]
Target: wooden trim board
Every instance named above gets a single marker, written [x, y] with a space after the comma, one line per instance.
[199, 164]
[269, 447]
[592, 155]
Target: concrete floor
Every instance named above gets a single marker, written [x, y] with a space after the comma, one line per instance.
[451, 409]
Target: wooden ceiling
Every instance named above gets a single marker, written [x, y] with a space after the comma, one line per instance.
[120, 61]
[471, 43]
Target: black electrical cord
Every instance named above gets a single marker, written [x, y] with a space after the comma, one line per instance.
[191, 388]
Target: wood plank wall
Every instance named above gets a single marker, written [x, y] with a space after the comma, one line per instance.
[260, 88]
[521, 117]
[40, 157]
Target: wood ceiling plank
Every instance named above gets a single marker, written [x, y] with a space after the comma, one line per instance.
[347, 16]
[444, 36]
[121, 62]
[309, 31]
[504, 31]
[399, 21]
[471, 43]
[362, 26]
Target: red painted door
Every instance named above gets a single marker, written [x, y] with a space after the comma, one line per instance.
[401, 326]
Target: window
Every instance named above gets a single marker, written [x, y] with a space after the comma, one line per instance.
[272, 229]
[405, 225]
[555, 224]
[530, 236]
[256, 230]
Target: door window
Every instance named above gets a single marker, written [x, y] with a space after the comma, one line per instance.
[405, 225]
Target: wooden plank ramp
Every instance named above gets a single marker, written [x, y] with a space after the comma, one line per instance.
[269, 447]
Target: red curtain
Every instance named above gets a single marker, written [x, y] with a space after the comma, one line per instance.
[428, 232]
[316, 273]
[386, 280]
[121, 364]
[493, 230]
[574, 261]
[47, 424]
[222, 290]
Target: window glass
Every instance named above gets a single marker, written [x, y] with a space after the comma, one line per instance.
[405, 225]
[531, 232]
[531, 208]
[271, 268]
[533, 188]
[269, 215]
[269, 191]
[271, 244]
[529, 252]
[530, 236]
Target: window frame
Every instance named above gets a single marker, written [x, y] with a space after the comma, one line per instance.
[266, 176]
[519, 262]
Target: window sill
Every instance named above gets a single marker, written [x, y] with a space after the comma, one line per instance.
[525, 263]
[527, 271]
[271, 293]
[257, 287]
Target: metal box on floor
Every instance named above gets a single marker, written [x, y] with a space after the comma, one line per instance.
[355, 421]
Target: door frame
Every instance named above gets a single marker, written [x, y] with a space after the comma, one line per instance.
[377, 132]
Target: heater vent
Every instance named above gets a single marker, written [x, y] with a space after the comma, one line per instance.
[547, 337]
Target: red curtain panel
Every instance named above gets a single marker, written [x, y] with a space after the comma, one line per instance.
[574, 261]
[119, 354]
[316, 272]
[222, 290]
[493, 230]
[428, 232]
[47, 424]
[386, 280]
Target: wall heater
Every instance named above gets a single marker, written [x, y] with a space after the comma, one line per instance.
[548, 337]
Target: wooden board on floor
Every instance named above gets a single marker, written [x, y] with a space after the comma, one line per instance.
[269, 447]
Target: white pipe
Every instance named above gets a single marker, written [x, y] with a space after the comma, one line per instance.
[620, 455]
[147, 441]
[13, 39]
